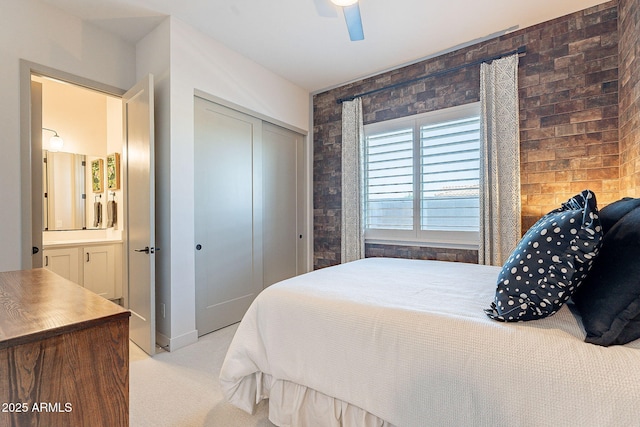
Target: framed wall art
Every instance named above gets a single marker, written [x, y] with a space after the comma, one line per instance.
[97, 174]
[113, 171]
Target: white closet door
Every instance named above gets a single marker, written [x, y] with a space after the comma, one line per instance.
[227, 214]
[282, 189]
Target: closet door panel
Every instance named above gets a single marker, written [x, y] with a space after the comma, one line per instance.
[227, 278]
[280, 202]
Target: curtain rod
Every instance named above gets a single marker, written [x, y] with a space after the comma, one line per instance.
[520, 50]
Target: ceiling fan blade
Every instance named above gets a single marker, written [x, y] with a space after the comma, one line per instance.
[354, 22]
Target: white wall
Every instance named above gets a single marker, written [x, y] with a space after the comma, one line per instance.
[114, 145]
[200, 63]
[45, 35]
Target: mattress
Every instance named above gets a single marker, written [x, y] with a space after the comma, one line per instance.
[398, 342]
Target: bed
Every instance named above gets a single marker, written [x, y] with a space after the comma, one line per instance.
[397, 342]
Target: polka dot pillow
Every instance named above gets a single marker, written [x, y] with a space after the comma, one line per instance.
[549, 263]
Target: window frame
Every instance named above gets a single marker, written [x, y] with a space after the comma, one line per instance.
[417, 236]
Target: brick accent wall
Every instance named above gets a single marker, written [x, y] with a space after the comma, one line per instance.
[418, 252]
[569, 111]
[568, 83]
[629, 50]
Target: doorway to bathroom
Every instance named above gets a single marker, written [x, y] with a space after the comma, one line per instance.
[92, 200]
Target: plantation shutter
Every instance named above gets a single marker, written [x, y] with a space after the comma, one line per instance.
[450, 161]
[389, 180]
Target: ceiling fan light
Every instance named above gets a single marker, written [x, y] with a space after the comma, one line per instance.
[344, 3]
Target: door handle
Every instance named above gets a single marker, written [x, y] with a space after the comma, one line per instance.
[148, 250]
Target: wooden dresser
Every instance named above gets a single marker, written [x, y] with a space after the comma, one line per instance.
[64, 354]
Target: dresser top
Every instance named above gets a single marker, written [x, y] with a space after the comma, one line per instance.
[37, 304]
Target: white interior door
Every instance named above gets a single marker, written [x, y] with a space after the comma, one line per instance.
[227, 214]
[282, 183]
[140, 211]
[37, 208]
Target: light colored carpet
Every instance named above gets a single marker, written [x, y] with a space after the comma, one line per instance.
[181, 389]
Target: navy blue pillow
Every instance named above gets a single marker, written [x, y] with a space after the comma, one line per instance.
[613, 212]
[609, 299]
[549, 263]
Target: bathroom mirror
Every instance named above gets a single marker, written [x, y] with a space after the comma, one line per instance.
[64, 183]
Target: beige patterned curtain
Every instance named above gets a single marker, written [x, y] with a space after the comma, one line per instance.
[500, 221]
[352, 247]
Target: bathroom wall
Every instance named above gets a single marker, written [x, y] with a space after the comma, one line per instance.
[90, 123]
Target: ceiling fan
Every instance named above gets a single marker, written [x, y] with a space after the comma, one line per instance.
[351, 12]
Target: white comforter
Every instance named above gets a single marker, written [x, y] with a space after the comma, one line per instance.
[406, 343]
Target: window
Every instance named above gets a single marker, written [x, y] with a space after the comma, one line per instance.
[421, 178]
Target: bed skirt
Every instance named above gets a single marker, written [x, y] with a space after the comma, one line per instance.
[293, 405]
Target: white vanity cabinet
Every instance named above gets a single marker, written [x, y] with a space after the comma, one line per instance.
[99, 270]
[96, 265]
[64, 262]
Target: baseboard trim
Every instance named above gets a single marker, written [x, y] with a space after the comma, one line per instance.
[172, 344]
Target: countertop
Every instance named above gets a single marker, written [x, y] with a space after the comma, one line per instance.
[77, 242]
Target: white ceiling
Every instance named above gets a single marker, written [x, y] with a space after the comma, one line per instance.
[306, 41]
